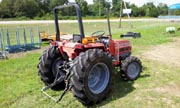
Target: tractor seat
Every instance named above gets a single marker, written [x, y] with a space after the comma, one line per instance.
[77, 38]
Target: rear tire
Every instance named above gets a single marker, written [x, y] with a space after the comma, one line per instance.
[48, 67]
[131, 68]
[91, 76]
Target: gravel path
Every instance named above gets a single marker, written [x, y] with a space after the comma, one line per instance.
[73, 21]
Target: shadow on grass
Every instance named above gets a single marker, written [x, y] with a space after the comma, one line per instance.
[120, 89]
[144, 76]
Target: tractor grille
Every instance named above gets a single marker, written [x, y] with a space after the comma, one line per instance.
[123, 49]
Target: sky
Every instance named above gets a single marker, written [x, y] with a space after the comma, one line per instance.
[141, 2]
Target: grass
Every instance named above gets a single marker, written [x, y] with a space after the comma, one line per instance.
[157, 87]
[147, 29]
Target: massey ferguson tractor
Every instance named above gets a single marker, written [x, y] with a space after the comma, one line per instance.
[85, 65]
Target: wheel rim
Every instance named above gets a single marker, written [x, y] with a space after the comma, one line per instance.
[56, 67]
[98, 78]
[133, 70]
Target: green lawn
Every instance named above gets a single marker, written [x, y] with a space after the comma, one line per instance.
[157, 87]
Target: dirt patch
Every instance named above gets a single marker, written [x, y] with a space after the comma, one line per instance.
[168, 53]
[172, 90]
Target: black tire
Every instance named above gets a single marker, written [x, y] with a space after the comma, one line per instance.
[48, 67]
[81, 71]
[131, 68]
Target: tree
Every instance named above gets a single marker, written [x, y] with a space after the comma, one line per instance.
[135, 10]
[116, 7]
[62, 12]
[31, 8]
[163, 9]
[100, 6]
[177, 12]
[28, 8]
[91, 10]
[19, 8]
[7, 8]
[142, 11]
[84, 6]
[150, 9]
[54, 3]
[43, 7]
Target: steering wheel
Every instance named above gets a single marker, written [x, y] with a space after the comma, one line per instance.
[98, 33]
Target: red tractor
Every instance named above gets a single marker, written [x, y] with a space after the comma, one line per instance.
[85, 65]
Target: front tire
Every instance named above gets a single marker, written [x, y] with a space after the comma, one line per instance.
[91, 76]
[131, 68]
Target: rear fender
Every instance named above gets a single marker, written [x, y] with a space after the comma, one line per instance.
[67, 49]
[64, 54]
[60, 48]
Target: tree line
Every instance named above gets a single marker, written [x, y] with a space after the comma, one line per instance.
[43, 8]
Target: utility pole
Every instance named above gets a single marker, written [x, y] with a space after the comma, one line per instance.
[120, 13]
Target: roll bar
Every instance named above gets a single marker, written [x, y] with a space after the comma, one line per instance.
[78, 12]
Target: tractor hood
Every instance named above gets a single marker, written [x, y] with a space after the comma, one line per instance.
[123, 43]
